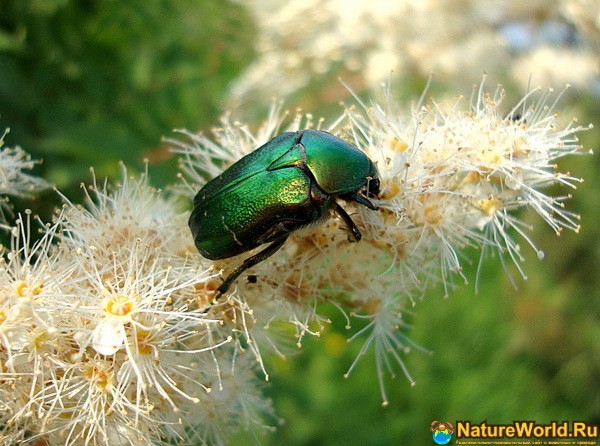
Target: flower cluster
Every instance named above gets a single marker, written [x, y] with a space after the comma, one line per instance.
[364, 40]
[450, 180]
[109, 328]
[14, 180]
[104, 333]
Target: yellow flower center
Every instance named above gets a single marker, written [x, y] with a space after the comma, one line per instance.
[431, 214]
[119, 305]
[390, 190]
[144, 338]
[102, 378]
[25, 289]
[398, 145]
[490, 205]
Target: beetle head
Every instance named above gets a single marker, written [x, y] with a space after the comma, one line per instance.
[373, 185]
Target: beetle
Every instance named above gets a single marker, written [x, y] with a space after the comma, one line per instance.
[292, 181]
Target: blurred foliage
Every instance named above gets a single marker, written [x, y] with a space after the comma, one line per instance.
[88, 83]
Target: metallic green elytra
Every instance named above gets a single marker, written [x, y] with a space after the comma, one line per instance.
[292, 181]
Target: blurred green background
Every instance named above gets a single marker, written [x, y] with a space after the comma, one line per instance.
[89, 83]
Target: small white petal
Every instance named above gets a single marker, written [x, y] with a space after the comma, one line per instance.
[108, 336]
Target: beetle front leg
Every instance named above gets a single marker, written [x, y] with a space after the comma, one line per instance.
[249, 263]
[349, 222]
[360, 199]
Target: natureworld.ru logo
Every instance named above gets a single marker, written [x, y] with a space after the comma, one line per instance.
[441, 432]
[526, 429]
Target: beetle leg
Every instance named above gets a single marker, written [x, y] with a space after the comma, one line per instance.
[250, 262]
[351, 226]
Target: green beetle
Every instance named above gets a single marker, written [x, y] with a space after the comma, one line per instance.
[292, 181]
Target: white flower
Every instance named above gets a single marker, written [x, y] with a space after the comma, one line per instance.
[234, 403]
[452, 177]
[137, 320]
[457, 176]
[28, 272]
[585, 14]
[105, 336]
[363, 41]
[14, 180]
[30, 340]
[548, 65]
[120, 217]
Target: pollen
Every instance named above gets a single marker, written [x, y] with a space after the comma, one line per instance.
[398, 145]
[24, 289]
[492, 157]
[41, 339]
[102, 378]
[520, 147]
[490, 205]
[119, 305]
[206, 292]
[473, 177]
[144, 339]
[390, 190]
[373, 305]
[432, 214]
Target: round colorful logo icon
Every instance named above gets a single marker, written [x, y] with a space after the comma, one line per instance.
[441, 432]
